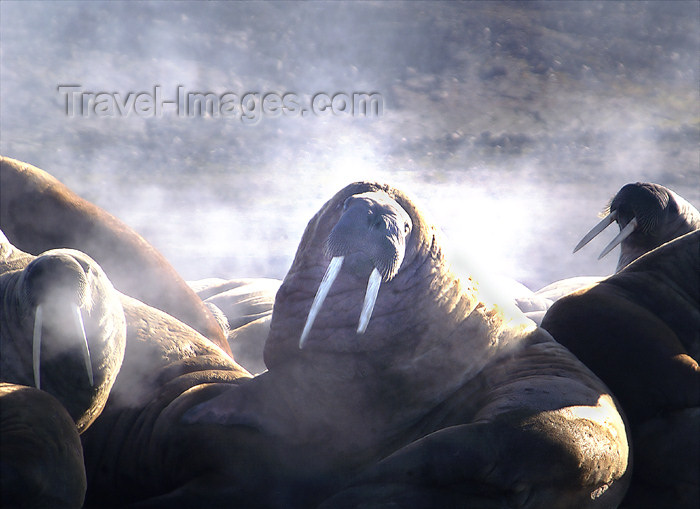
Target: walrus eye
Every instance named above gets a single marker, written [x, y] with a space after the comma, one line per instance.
[406, 228]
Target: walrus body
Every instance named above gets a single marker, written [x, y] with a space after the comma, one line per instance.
[245, 307]
[138, 450]
[41, 459]
[639, 331]
[38, 213]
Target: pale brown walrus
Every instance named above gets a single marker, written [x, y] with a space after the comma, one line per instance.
[38, 213]
[390, 383]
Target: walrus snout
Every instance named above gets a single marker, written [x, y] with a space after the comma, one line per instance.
[55, 277]
[372, 227]
[56, 287]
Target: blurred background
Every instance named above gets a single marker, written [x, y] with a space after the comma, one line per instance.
[512, 123]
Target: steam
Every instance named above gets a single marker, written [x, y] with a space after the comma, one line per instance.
[79, 331]
[495, 118]
[36, 345]
[604, 223]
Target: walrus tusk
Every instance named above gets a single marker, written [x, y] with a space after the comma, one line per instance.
[86, 352]
[607, 221]
[36, 345]
[326, 283]
[375, 280]
[626, 232]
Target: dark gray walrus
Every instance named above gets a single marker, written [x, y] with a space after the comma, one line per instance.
[391, 385]
[41, 460]
[649, 215]
[639, 331]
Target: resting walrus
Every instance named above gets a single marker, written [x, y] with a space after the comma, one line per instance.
[38, 213]
[639, 331]
[63, 328]
[41, 460]
[649, 215]
[390, 383]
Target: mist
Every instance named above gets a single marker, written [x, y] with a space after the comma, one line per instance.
[512, 123]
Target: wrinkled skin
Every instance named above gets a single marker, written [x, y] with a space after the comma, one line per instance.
[439, 402]
[244, 307]
[139, 451]
[41, 459]
[62, 281]
[38, 213]
[639, 331]
[163, 359]
[649, 215]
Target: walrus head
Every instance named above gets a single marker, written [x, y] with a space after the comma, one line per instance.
[364, 239]
[370, 236]
[649, 215]
[63, 318]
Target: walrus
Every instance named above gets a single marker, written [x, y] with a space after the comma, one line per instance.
[649, 215]
[390, 384]
[138, 453]
[38, 213]
[41, 459]
[245, 308]
[639, 331]
[63, 328]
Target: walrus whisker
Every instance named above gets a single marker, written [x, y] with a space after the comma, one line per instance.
[626, 232]
[607, 221]
[36, 345]
[375, 281]
[326, 283]
[86, 351]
